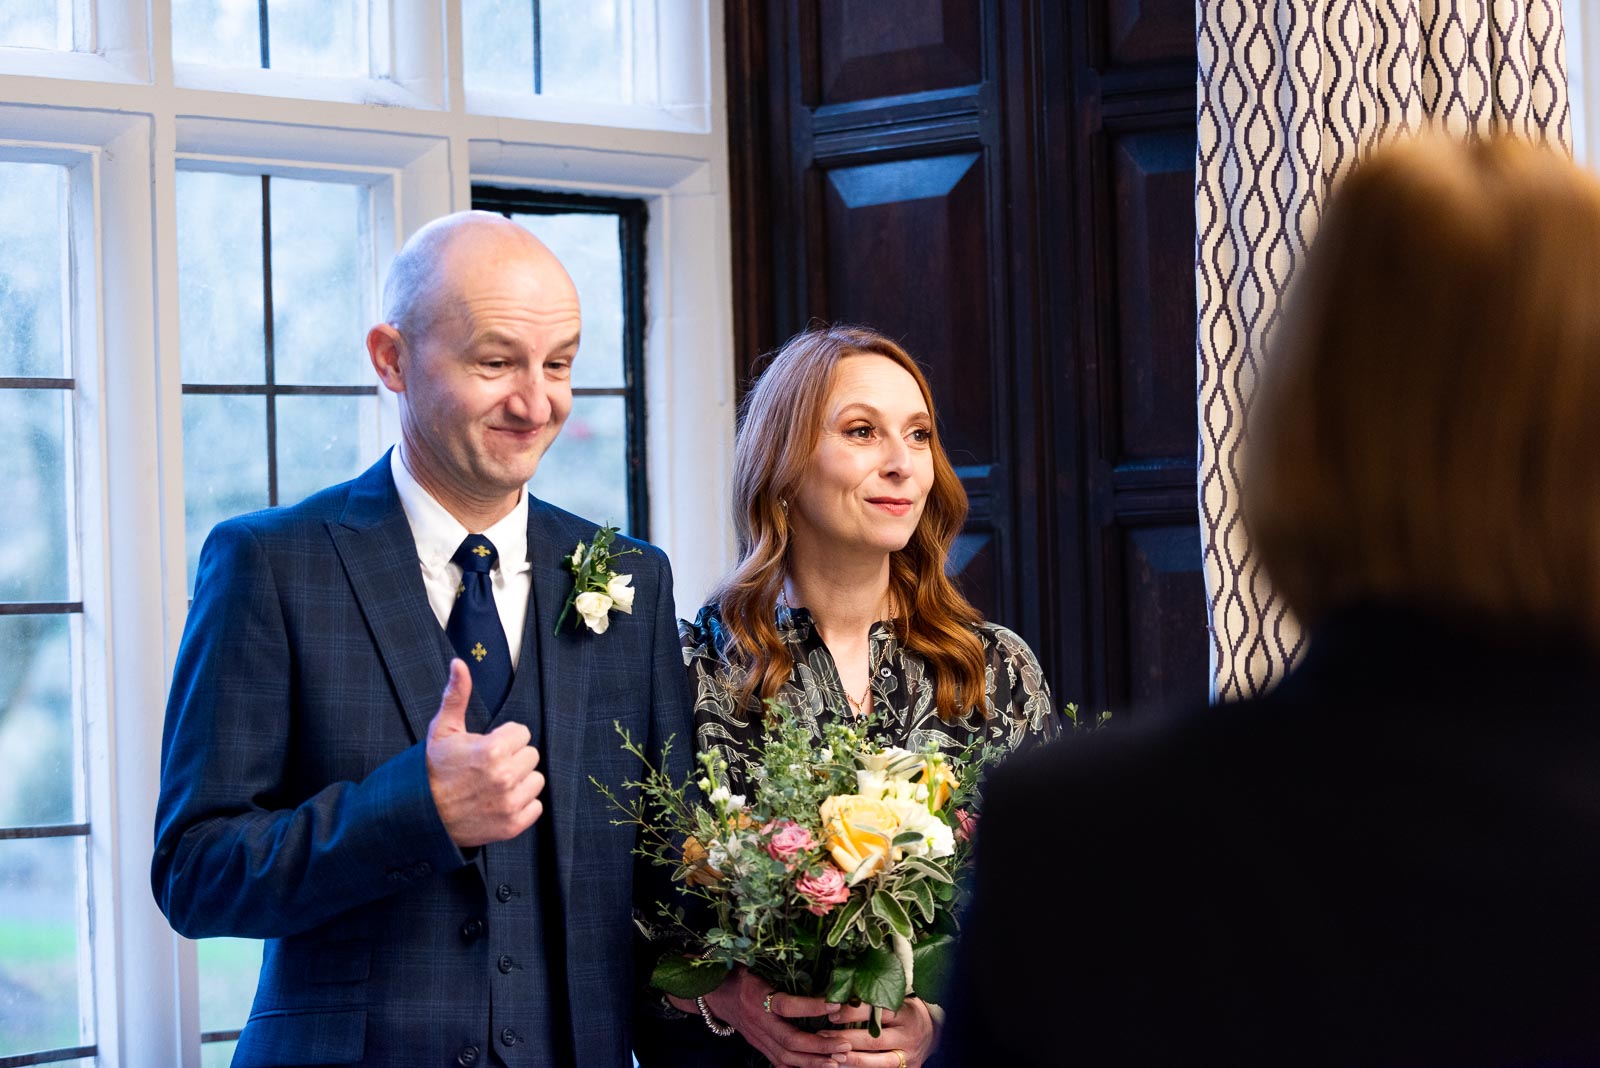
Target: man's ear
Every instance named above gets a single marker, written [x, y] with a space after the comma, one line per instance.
[387, 350]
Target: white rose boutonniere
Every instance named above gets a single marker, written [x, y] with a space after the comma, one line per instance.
[595, 609]
[597, 590]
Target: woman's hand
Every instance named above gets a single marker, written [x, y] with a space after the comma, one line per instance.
[742, 1000]
[906, 1040]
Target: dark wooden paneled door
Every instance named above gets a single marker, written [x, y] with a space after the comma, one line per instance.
[1005, 187]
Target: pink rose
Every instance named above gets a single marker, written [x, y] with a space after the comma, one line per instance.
[824, 890]
[966, 824]
[787, 841]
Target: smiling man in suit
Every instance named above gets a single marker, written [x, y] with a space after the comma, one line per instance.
[377, 745]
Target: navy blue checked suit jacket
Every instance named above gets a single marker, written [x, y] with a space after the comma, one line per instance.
[295, 804]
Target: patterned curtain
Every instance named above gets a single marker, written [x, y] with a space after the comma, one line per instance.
[1292, 94]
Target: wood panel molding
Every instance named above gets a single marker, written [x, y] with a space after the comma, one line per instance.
[881, 48]
[1150, 31]
[1150, 325]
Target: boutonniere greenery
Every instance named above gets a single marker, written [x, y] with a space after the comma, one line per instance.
[597, 590]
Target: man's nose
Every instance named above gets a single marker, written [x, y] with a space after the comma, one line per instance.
[530, 400]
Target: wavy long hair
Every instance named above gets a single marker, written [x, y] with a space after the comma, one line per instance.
[783, 417]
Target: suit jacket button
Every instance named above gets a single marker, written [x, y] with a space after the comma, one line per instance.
[473, 928]
[506, 964]
[467, 1057]
[503, 892]
[509, 1037]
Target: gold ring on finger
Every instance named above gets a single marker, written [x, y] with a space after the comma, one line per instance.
[766, 1004]
[899, 1055]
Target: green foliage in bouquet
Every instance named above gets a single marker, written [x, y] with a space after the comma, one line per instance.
[1084, 726]
[838, 878]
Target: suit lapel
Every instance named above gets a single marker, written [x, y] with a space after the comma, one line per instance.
[564, 664]
[374, 542]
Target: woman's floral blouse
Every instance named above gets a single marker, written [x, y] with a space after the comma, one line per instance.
[1021, 712]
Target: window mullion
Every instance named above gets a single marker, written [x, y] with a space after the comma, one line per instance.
[267, 325]
[538, 47]
[266, 39]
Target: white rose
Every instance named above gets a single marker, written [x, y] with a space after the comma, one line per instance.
[621, 593]
[593, 608]
[901, 790]
[871, 783]
[938, 840]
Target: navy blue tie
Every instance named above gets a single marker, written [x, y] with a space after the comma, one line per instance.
[474, 627]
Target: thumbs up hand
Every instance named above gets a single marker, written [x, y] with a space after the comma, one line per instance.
[485, 786]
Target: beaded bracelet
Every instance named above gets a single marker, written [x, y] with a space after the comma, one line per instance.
[718, 1028]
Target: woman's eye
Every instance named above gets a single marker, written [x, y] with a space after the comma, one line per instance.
[922, 435]
[863, 432]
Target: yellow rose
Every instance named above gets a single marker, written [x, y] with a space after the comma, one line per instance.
[858, 831]
[940, 780]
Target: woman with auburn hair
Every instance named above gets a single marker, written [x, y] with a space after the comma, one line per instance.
[845, 507]
[1390, 859]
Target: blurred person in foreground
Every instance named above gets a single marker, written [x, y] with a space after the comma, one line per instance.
[1390, 859]
[846, 506]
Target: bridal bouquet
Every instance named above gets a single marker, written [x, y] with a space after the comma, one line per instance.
[836, 878]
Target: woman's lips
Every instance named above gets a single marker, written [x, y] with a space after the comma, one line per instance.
[895, 506]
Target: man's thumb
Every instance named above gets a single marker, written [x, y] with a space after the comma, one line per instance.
[452, 715]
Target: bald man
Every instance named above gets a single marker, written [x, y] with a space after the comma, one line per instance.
[378, 744]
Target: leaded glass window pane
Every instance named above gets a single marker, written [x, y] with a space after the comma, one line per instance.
[36, 24]
[33, 270]
[43, 935]
[564, 48]
[39, 746]
[325, 37]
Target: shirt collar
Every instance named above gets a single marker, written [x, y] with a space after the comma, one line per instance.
[438, 534]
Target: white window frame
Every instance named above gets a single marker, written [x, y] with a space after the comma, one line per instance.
[1582, 30]
[125, 121]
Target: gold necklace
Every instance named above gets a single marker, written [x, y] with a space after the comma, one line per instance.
[865, 703]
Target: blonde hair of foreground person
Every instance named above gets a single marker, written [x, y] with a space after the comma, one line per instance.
[783, 418]
[1429, 421]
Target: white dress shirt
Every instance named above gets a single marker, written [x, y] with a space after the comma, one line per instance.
[439, 534]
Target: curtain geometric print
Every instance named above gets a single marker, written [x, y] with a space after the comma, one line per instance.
[1292, 94]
